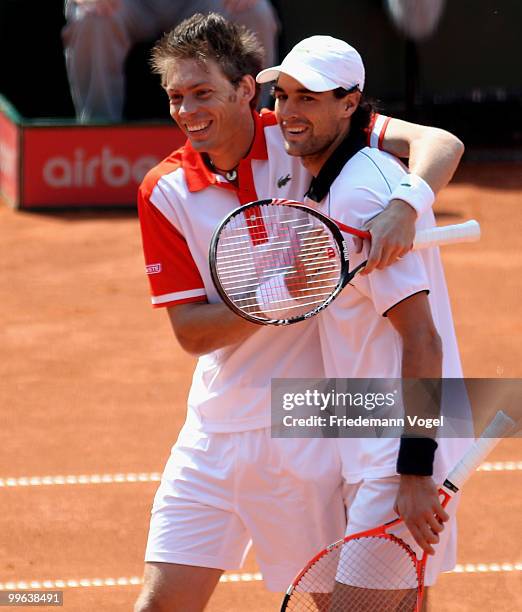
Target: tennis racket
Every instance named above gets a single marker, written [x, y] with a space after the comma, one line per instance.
[376, 570]
[278, 262]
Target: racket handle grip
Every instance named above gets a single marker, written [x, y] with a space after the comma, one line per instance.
[449, 234]
[471, 460]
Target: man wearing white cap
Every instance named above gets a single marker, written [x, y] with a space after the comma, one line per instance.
[323, 63]
[393, 323]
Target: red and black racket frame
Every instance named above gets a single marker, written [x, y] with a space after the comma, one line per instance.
[253, 213]
[379, 532]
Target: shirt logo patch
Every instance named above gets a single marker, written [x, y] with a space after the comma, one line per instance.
[153, 268]
[283, 180]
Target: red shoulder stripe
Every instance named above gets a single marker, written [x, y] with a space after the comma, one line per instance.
[166, 166]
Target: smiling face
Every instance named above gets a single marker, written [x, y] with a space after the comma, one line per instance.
[313, 124]
[213, 113]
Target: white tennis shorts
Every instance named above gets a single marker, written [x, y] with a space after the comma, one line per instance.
[221, 491]
[370, 504]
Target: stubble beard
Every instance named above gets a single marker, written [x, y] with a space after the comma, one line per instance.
[311, 150]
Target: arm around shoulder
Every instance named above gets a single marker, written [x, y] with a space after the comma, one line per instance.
[433, 153]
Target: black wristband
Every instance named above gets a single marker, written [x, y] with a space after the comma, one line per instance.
[416, 456]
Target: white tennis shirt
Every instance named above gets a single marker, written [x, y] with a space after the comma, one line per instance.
[357, 340]
[180, 204]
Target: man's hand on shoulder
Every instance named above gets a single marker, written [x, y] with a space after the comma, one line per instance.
[393, 232]
[419, 505]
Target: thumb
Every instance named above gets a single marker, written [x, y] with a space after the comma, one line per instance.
[357, 243]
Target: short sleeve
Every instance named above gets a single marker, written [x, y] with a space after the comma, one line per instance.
[386, 288]
[173, 275]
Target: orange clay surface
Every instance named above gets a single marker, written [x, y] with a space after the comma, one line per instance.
[92, 382]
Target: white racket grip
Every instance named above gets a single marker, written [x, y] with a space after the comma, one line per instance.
[449, 234]
[490, 437]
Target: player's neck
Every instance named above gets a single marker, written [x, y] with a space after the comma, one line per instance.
[236, 147]
[313, 163]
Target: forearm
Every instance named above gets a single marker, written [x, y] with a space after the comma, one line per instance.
[417, 498]
[421, 372]
[434, 154]
[201, 328]
[422, 356]
[436, 158]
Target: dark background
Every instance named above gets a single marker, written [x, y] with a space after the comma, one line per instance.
[467, 77]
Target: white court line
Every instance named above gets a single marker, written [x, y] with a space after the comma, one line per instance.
[40, 481]
[467, 568]
[500, 466]
[107, 582]
[480, 568]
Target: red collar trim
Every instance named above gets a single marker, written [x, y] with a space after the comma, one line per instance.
[199, 177]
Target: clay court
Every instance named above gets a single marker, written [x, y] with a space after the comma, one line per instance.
[93, 389]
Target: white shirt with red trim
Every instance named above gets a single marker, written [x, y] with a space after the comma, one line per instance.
[356, 339]
[180, 204]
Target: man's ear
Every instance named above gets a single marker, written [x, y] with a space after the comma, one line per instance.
[351, 102]
[247, 88]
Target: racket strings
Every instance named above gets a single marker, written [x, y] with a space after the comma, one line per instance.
[370, 574]
[279, 264]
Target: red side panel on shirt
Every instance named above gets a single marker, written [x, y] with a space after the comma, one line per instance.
[376, 128]
[173, 275]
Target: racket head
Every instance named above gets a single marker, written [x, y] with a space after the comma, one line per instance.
[374, 570]
[277, 262]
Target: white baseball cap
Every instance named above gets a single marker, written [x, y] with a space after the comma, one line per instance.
[320, 63]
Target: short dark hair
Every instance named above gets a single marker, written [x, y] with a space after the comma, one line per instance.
[235, 49]
[341, 92]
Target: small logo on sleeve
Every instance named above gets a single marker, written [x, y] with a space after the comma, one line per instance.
[283, 180]
[153, 268]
